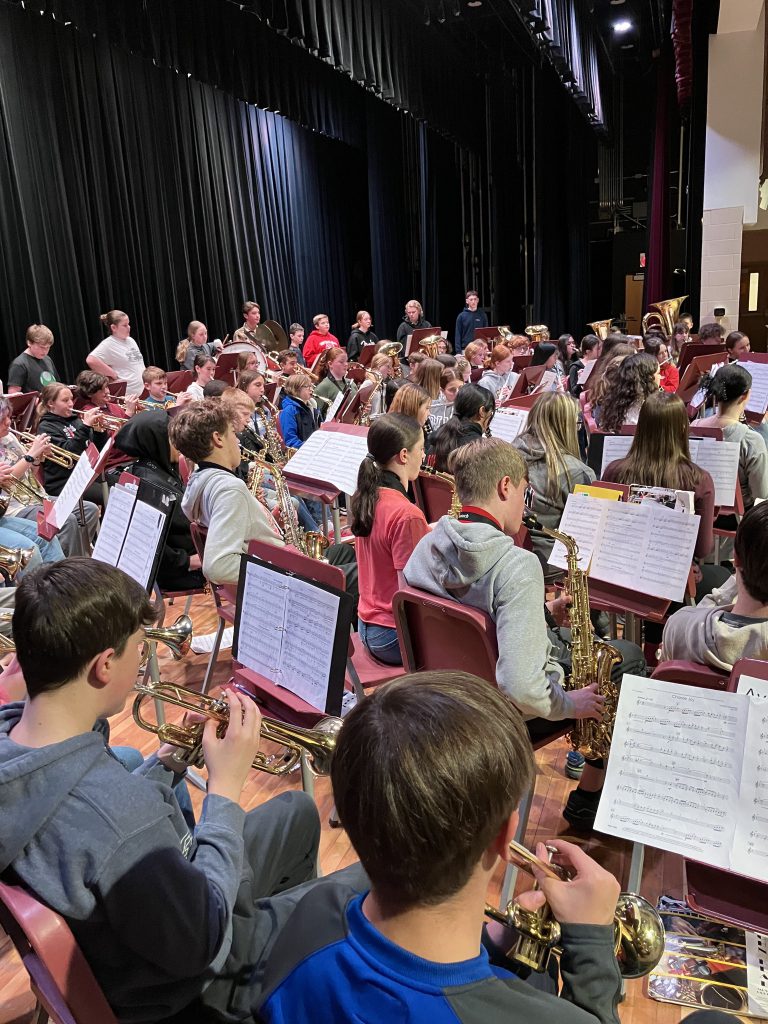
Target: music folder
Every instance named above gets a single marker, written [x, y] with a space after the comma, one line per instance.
[293, 632]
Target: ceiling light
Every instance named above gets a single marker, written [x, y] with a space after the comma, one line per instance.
[615, 3]
[474, 3]
[622, 26]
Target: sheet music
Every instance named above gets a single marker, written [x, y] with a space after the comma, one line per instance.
[140, 547]
[334, 407]
[114, 525]
[333, 457]
[581, 520]
[750, 847]
[287, 631]
[721, 461]
[73, 489]
[672, 779]
[758, 398]
[508, 423]
[584, 373]
[615, 446]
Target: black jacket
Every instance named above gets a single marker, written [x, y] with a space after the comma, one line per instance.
[70, 433]
[356, 341]
[450, 436]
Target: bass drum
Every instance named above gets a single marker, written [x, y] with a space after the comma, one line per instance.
[243, 346]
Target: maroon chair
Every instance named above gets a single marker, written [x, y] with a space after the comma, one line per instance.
[22, 409]
[61, 980]
[433, 496]
[692, 674]
[179, 380]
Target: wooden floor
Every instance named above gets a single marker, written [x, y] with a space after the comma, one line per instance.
[663, 872]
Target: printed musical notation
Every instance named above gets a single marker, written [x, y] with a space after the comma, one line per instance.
[758, 395]
[141, 541]
[114, 525]
[332, 457]
[287, 631]
[688, 774]
[508, 423]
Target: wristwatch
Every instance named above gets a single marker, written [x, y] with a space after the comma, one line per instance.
[30, 459]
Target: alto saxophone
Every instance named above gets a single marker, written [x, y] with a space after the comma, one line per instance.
[277, 451]
[591, 659]
[308, 542]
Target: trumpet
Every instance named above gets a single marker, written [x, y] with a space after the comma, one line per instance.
[319, 742]
[638, 931]
[12, 561]
[20, 490]
[140, 406]
[176, 637]
[106, 422]
[58, 456]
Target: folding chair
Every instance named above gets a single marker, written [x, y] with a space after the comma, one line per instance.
[179, 380]
[433, 496]
[224, 599]
[692, 674]
[61, 980]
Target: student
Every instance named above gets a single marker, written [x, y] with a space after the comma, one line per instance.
[737, 346]
[499, 378]
[247, 334]
[451, 382]
[712, 333]
[606, 382]
[550, 448]
[246, 362]
[34, 368]
[731, 622]
[426, 374]
[296, 342]
[463, 369]
[298, 418]
[361, 335]
[476, 353]
[545, 354]
[468, 321]
[214, 389]
[427, 778]
[382, 365]
[203, 368]
[387, 526]
[319, 339]
[118, 357]
[638, 377]
[566, 354]
[95, 842]
[196, 343]
[730, 387]
[474, 559]
[91, 392]
[670, 375]
[288, 362]
[590, 350]
[220, 501]
[473, 411]
[413, 320]
[156, 383]
[412, 400]
[145, 439]
[69, 431]
[331, 370]
[678, 339]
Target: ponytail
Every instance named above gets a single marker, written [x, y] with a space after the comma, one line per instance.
[181, 350]
[728, 384]
[388, 435]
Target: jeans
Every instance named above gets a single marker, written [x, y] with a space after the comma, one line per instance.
[70, 537]
[50, 550]
[381, 642]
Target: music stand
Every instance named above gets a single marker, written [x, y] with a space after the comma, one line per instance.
[366, 354]
[22, 407]
[692, 349]
[753, 418]
[695, 369]
[487, 334]
[419, 334]
[352, 406]
[117, 388]
[226, 367]
[519, 363]
[528, 379]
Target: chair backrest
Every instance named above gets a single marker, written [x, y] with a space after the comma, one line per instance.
[61, 979]
[747, 667]
[294, 561]
[436, 633]
[692, 674]
[179, 380]
[433, 496]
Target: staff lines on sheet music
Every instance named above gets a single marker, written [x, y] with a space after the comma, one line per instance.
[683, 726]
[661, 813]
[690, 774]
[669, 799]
[652, 837]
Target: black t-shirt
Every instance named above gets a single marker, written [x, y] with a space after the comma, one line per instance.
[31, 374]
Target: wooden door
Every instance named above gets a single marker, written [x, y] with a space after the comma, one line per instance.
[633, 303]
[753, 304]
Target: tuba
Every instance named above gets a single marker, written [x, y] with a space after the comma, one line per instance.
[393, 350]
[664, 314]
[429, 345]
[638, 931]
[537, 332]
[591, 659]
[601, 328]
[319, 742]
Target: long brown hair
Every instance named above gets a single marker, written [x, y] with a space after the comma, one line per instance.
[660, 455]
[48, 396]
[427, 375]
[636, 380]
[326, 357]
[553, 422]
[388, 435]
[613, 346]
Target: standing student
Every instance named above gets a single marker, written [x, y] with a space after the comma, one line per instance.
[34, 368]
[361, 335]
[195, 343]
[247, 333]
[296, 342]
[387, 526]
[413, 319]
[468, 321]
[473, 411]
[118, 357]
[203, 368]
[319, 339]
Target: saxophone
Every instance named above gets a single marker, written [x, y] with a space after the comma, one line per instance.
[453, 511]
[278, 452]
[308, 542]
[591, 659]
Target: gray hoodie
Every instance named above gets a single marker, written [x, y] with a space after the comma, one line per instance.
[150, 904]
[549, 511]
[478, 565]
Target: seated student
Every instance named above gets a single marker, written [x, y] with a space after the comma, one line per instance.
[731, 622]
[463, 369]
[474, 560]
[34, 368]
[331, 370]
[426, 374]
[246, 363]
[23, 505]
[473, 411]
[214, 388]
[220, 501]
[156, 383]
[196, 343]
[546, 354]
[670, 375]
[203, 368]
[95, 842]
[427, 778]
[677, 340]
[412, 400]
[68, 431]
[713, 333]
[361, 335]
[589, 352]
[413, 360]
[91, 392]
[737, 346]
[145, 439]
[550, 447]
[567, 351]
[319, 339]
[299, 419]
[638, 377]
[451, 383]
[288, 362]
[476, 353]
[387, 526]
[499, 377]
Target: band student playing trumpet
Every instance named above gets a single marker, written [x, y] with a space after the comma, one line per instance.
[71, 433]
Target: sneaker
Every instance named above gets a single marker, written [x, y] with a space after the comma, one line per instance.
[580, 810]
[574, 764]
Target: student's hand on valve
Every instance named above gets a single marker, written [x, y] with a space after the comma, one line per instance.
[587, 702]
[40, 446]
[91, 416]
[588, 897]
[560, 607]
[184, 397]
[131, 402]
[230, 757]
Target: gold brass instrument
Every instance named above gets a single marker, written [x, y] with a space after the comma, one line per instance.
[105, 422]
[319, 743]
[638, 931]
[392, 349]
[176, 637]
[453, 511]
[12, 561]
[139, 405]
[26, 492]
[601, 328]
[58, 456]
[429, 345]
[591, 659]
[309, 542]
[537, 332]
[363, 417]
[664, 314]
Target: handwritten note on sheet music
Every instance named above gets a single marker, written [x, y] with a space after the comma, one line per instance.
[114, 525]
[141, 541]
[685, 774]
[508, 423]
[753, 687]
[332, 457]
[758, 397]
[287, 630]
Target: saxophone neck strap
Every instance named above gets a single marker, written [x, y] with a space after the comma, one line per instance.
[472, 514]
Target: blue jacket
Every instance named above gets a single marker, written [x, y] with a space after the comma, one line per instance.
[466, 322]
[297, 421]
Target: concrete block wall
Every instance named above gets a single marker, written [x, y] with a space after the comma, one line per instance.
[721, 264]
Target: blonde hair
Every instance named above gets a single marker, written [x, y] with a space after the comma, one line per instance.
[553, 422]
[39, 333]
[478, 466]
[320, 316]
[295, 383]
[113, 317]
[360, 314]
[417, 304]
[153, 373]
[233, 399]
[427, 375]
[409, 398]
[379, 360]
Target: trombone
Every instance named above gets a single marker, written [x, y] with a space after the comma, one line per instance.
[58, 456]
[319, 743]
[25, 493]
[12, 561]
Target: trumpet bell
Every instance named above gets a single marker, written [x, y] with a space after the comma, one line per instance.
[13, 560]
[177, 637]
[638, 936]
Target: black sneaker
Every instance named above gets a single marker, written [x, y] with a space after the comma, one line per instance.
[580, 810]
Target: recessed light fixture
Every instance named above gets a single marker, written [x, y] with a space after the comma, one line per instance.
[622, 26]
[474, 3]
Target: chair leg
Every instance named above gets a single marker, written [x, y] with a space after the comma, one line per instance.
[39, 1014]
[214, 657]
[357, 686]
[188, 604]
[510, 875]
